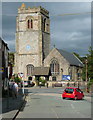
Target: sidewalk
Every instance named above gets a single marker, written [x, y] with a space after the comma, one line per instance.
[10, 106]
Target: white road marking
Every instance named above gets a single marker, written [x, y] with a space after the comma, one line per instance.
[54, 112]
[72, 106]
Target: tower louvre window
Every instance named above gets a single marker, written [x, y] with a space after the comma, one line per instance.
[45, 24]
[28, 24]
[31, 23]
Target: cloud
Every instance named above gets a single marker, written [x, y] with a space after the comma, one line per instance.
[69, 32]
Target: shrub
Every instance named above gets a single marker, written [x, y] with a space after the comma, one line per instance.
[17, 79]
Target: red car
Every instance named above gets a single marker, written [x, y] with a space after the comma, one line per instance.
[74, 93]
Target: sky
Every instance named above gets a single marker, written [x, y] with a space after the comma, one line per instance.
[68, 31]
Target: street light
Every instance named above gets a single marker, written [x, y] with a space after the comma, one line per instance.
[86, 62]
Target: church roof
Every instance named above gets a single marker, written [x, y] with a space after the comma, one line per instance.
[71, 58]
[43, 71]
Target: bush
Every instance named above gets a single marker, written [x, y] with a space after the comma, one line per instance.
[17, 79]
[90, 83]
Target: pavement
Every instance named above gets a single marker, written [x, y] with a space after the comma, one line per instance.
[11, 107]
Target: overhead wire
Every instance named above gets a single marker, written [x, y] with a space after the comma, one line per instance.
[67, 14]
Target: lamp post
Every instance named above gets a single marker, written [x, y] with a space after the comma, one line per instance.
[78, 76]
[86, 62]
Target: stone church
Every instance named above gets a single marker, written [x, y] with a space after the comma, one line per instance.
[33, 56]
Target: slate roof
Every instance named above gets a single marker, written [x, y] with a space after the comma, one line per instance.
[41, 71]
[71, 58]
[2, 42]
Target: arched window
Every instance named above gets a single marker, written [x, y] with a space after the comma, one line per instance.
[31, 23]
[54, 66]
[30, 69]
[45, 24]
[28, 24]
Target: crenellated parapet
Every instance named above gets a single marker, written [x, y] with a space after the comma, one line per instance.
[38, 9]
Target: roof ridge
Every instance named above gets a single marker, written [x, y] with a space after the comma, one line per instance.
[78, 59]
[70, 57]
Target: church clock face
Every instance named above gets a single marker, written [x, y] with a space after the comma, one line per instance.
[28, 47]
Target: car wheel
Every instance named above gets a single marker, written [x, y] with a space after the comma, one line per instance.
[63, 97]
[75, 98]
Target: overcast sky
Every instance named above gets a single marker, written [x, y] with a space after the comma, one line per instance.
[70, 32]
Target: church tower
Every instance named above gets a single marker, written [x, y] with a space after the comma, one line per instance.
[32, 38]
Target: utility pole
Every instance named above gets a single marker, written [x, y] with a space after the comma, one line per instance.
[86, 62]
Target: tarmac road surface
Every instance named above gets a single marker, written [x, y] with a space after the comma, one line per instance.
[47, 103]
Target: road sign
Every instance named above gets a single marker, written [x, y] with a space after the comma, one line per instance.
[66, 77]
[21, 74]
[1, 69]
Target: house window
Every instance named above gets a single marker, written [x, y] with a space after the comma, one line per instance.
[54, 67]
[30, 69]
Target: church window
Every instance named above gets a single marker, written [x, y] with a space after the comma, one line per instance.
[30, 69]
[54, 66]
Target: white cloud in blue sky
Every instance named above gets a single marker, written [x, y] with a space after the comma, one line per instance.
[70, 32]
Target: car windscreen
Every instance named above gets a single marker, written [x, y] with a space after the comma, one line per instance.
[69, 90]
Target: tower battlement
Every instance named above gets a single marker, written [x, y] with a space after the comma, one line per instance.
[38, 9]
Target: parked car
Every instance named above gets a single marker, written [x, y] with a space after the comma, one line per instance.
[57, 85]
[74, 93]
[31, 84]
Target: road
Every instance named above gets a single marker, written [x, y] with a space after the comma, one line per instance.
[47, 103]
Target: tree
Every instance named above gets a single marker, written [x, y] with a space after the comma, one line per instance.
[11, 58]
[89, 58]
[17, 79]
[90, 65]
[77, 55]
[81, 58]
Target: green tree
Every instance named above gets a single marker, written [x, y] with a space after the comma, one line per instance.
[16, 78]
[89, 58]
[90, 65]
[11, 58]
[81, 58]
